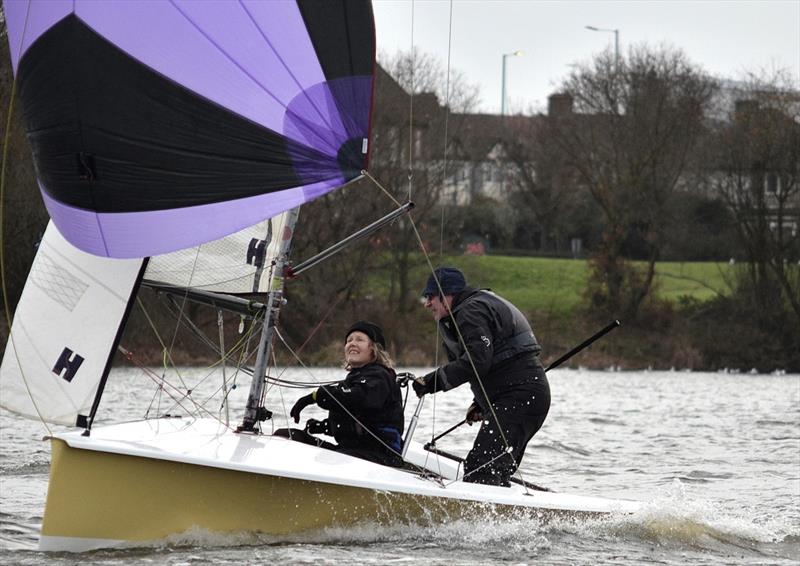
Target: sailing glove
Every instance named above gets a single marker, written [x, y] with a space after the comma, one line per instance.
[301, 404]
[474, 414]
[313, 426]
[425, 384]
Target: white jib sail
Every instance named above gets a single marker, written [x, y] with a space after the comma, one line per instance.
[64, 330]
[227, 265]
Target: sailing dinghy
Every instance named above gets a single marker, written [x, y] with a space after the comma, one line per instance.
[174, 143]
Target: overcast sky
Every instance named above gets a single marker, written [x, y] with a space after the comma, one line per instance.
[725, 38]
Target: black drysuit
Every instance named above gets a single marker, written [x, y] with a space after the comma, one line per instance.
[365, 416]
[510, 379]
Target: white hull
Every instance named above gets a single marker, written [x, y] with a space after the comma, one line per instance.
[160, 477]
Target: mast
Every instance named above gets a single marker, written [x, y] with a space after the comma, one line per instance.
[255, 412]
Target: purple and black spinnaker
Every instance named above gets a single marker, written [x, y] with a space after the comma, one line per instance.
[161, 125]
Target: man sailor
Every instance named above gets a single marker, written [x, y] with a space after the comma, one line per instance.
[490, 344]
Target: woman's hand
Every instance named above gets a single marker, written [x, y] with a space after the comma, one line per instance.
[301, 404]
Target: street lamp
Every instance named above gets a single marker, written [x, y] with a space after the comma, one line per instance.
[503, 94]
[616, 43]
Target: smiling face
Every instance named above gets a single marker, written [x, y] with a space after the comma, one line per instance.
[358, 349]
[439, 306]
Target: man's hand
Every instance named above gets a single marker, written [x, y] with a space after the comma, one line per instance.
[474, 414]
[301, 404]
[425, 384]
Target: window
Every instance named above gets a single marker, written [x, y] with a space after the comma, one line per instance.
[417, 143]
[772, 183]
[394, 143]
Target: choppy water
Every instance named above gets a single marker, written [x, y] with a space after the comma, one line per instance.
[716, 456]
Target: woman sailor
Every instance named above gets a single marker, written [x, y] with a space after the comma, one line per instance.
[365, 410]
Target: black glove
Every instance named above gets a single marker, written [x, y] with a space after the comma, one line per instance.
[313, 426]
[301, 404]
[424, 384]
[474, 414]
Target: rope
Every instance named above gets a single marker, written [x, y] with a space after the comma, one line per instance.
[6, 305]
[166, 356]
[182, 307]
[238, 346]
[161, 383]
[167, 363]
[449, 312]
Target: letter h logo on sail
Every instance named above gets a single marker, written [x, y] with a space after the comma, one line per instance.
[68, 363]
[255, 252]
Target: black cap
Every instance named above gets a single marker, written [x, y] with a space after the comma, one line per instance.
[372, 330]
[450, 278]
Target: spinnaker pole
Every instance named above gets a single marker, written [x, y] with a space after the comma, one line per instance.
[255, 411]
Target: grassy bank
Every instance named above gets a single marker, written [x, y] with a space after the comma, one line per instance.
[556, 286]
[552, 292]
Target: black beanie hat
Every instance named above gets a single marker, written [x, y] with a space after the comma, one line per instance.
[450, 278]
[372, 330]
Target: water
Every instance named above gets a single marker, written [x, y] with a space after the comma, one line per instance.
[715, 456]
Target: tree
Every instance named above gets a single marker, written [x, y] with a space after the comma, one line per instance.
[544, 190]
[757, 172]
[631, 138]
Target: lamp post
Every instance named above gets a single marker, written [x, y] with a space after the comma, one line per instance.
[616, 43]
[503, 94]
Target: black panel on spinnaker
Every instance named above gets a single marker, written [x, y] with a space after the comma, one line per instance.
[159, 125]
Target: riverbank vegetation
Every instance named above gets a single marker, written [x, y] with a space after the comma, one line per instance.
[696, 317]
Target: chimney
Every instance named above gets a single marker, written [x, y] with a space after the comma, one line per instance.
[559, 104]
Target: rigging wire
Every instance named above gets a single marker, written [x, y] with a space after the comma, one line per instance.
[271, 380]
[178, 397]
[444, 180]
[446, 124]
[6, 307]
[296, 355]
[155, 399]
[411, 111]
[205, 340]
[167, 362]
[441, 240]
[183, 306]
[239, 346]
[450, 313]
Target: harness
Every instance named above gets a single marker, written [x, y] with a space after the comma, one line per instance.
[519, 338]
